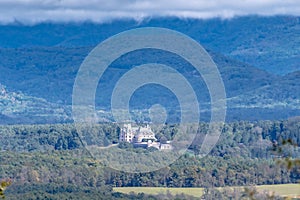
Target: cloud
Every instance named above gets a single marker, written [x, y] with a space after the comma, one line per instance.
[35, 11]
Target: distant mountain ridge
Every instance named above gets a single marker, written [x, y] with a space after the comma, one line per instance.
[39, 65]
[269, 43]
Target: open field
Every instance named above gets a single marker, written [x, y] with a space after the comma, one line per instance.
[197, 192]
[282, 189]
[291, 190]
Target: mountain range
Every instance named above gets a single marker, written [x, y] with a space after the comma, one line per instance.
[258, 59]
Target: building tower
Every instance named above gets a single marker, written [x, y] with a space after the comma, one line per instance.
[126, 133]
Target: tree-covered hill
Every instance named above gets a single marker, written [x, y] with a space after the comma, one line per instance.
[48, 85]
[49, 160]
[16, 108]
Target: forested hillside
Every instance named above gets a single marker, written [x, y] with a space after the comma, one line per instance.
[43, 91]
[44, 157]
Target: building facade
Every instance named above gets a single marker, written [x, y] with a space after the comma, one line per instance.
[141, 137]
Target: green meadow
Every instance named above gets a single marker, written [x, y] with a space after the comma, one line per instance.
[291, 190]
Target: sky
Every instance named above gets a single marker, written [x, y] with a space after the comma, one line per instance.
[36, 11]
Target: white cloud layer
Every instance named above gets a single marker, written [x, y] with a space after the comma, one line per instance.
[35, 11]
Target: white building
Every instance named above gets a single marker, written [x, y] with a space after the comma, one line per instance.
[141, 137]
[127, 133]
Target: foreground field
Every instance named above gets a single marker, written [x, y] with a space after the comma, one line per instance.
[291, 190]
[197, 192]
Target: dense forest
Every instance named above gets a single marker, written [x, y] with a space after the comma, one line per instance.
[49, 161]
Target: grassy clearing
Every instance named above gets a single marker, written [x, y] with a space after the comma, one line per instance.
[197, 192]
[281, 189]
